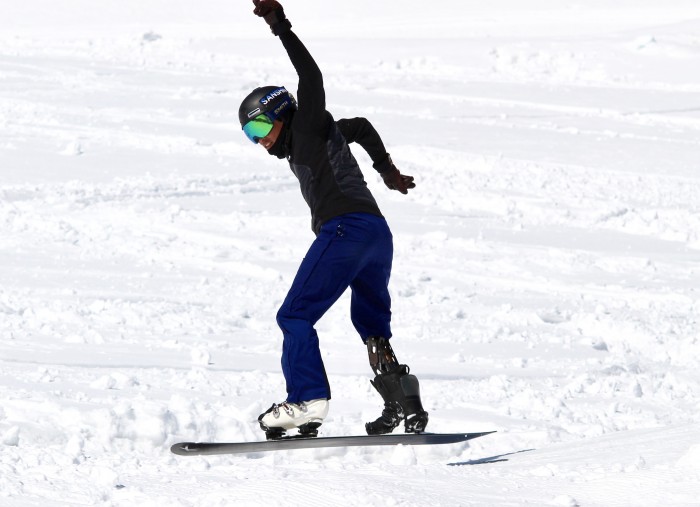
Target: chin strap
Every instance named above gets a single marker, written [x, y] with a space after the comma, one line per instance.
[287, 139]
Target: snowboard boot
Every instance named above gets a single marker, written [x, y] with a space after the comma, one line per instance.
[306, 417]
[399, 390]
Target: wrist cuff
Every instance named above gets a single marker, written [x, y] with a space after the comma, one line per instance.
[282, 27]
[384, 165]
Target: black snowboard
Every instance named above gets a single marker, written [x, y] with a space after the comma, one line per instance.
[290, 443]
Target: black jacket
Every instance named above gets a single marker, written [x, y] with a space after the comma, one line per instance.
[317, 146]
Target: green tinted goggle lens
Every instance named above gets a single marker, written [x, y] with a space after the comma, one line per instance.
[257, 128]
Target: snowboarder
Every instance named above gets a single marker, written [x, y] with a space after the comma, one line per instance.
[353, 246]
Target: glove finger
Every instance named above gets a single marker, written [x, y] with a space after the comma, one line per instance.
[400, 185]
[262, 7]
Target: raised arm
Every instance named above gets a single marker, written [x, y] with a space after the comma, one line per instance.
[311, 95]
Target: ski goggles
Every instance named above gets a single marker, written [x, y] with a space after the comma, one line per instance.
[258, 127]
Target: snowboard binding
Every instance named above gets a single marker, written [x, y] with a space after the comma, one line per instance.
[308, 430]
[398, 388]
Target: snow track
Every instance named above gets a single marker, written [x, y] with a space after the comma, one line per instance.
[546, 270]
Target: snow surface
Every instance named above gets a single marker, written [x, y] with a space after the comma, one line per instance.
[546, 271]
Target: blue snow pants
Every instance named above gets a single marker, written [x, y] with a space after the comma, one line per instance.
[353, 250]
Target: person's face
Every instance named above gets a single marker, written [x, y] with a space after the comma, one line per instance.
[270, 138]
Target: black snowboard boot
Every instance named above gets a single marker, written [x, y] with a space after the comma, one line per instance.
[397, 387]
[401, 394]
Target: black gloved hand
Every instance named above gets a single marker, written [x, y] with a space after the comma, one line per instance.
[273, 14]
[394, 180]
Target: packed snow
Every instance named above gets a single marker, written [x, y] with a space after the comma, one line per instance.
[546, 268]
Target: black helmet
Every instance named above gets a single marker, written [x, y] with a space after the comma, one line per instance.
[272, 101]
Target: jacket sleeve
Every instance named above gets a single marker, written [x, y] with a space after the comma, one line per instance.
[361, 131]
[311, 95]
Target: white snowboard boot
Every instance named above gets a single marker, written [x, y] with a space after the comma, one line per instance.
[306, 416]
